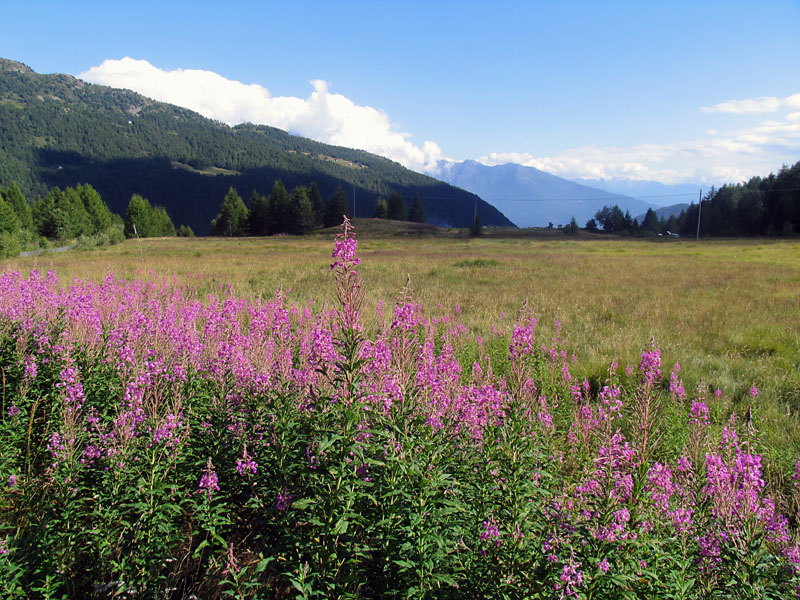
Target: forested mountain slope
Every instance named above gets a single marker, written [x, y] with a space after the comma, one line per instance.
[60, 131]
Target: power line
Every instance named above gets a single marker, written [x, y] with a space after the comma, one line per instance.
[621, 197]
[603, 199]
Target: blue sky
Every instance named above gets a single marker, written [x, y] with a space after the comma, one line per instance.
[669, 91]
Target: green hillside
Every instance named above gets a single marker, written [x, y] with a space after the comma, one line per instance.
[60, 131]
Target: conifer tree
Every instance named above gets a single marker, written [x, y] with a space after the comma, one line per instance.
[9, 223]
[161, 224]
[279, 209]
[381, 209]
[397, 207]
[336, 208]
[416, 214]
[138, 217]
[259, 214]
[302, 212]
[14, 197]
[232, 219]
[99, 214]
[80, 223]
[316, 203]
[650, 221]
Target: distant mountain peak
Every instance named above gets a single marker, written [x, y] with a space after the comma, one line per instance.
[534, 198]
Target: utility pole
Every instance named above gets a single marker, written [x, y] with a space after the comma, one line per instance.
[699, 208]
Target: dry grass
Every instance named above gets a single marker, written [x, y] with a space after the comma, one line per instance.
[729, 311]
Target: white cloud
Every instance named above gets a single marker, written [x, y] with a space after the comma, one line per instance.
[764, 104]
[730, 156]
[719, 157]
[323, 116]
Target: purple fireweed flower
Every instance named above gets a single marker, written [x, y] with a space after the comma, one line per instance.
[491, 532]
[12, 480]
[73, 389]
[283, 501]
[754, 392]
[30, 368]
[699, 414]
[209, 482]
[13, 410]
[246, 466]
[522, 339]
[650, 365]
[231, 566]
[571, 580]
[675, 384]
[344, 253]
[348, 281]
[603, 565]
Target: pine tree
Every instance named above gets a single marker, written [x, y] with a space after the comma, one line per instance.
[381, 209]
[650, 221]
[9, 223]
[416, 214]
[233, 216]
[302, 212]
[316, 204]
[397, 207]
[80, 223]
[336, 208]
[259, 214]
[99, 214]
[279, 209]
[161, 224]
[14, 197]
[185, 231]
[138, 217]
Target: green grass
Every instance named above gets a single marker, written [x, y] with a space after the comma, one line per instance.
[726, 310]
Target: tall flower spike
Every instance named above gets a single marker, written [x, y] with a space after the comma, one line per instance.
[208, 481]
[348, 280]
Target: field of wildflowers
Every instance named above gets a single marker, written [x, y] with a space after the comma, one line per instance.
[160, 443]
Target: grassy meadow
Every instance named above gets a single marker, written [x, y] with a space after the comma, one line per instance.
[727, 310]
[156, 442]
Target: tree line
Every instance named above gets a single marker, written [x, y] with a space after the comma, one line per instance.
[76, 213]
[73, 213]
[768, 206]
[300, 211]
[761, 206]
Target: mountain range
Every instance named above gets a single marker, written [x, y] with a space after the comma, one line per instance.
[56, 130]
[655, 192]
[534, 198]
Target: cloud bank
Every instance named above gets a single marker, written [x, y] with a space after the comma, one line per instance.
[323, 116]
[765, 104]
[716, 157]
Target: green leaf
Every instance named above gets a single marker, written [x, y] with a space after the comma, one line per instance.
[303, 503]
[341, 527]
